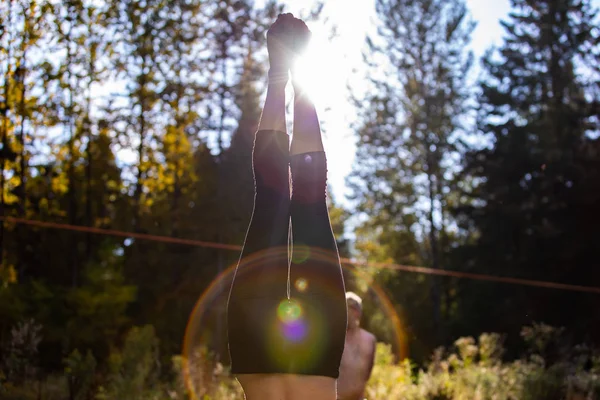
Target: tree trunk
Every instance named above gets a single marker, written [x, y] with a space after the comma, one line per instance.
[3, 156]
[72, 205]
[21, 190]
[88, 188]
[443, 248]
[140, 172]
[22, 160]
[88, 165]
[5, 151]
[435, 262]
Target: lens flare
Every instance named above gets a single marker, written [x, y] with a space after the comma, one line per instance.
[289, 311]
[292, 325]
[294, 331]
[290, 319]
[301, 285]
[300, 253]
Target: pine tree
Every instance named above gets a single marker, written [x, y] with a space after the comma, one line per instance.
[535, 188]
[237, 159]
[8, 111]
[23, 26]
[93, 18]
[407, 142]
[69, 114]
[137, 35]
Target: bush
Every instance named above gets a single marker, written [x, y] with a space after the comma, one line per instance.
[134, 371]
[79, 374]
[206, 378]
[471, 370]
[475, 371]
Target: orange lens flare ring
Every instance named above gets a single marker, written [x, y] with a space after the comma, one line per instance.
[290, 318]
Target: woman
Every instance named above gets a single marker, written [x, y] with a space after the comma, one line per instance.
[286, 330]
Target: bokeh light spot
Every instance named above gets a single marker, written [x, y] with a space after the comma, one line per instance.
[301, 284]
[289, 311]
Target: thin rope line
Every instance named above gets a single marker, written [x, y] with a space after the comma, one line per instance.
[113, 232]
[480, 277]
[392, 266]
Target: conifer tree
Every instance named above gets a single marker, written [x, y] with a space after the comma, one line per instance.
[535, 185]
[406, 149]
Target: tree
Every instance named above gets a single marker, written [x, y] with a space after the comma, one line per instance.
[338, 215]
[125, 116]
[137, 30]
[21, 33]
[406, 157]
[534, 194]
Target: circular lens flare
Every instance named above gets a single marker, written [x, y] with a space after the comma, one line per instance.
[293, 326]
[289, 319]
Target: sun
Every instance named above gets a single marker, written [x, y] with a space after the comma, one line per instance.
[320, 69]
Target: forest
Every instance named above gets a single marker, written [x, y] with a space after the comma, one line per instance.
[470, 228]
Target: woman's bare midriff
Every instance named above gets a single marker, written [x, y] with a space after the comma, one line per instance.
[287, 387]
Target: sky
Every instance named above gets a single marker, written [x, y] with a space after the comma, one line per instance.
[339, 56]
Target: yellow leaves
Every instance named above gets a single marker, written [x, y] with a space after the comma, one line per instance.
[175, 172]
[9, 189]
[8, 275]
[112, 185]
[60, 184]
[148, 202]
[10, 198]
[167, 179]
[105, 221]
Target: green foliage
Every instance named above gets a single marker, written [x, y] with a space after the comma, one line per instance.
[79, 373]
[471, 370]
[389, 380]
[133, 371]
[99, 305]
[200, 376]
[20, 352]
[534, 173]
[475, 371]
[403, 177]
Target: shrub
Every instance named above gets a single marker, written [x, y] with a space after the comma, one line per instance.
[471, 370]
[475, 371]
[134, 370]
[79, 374]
